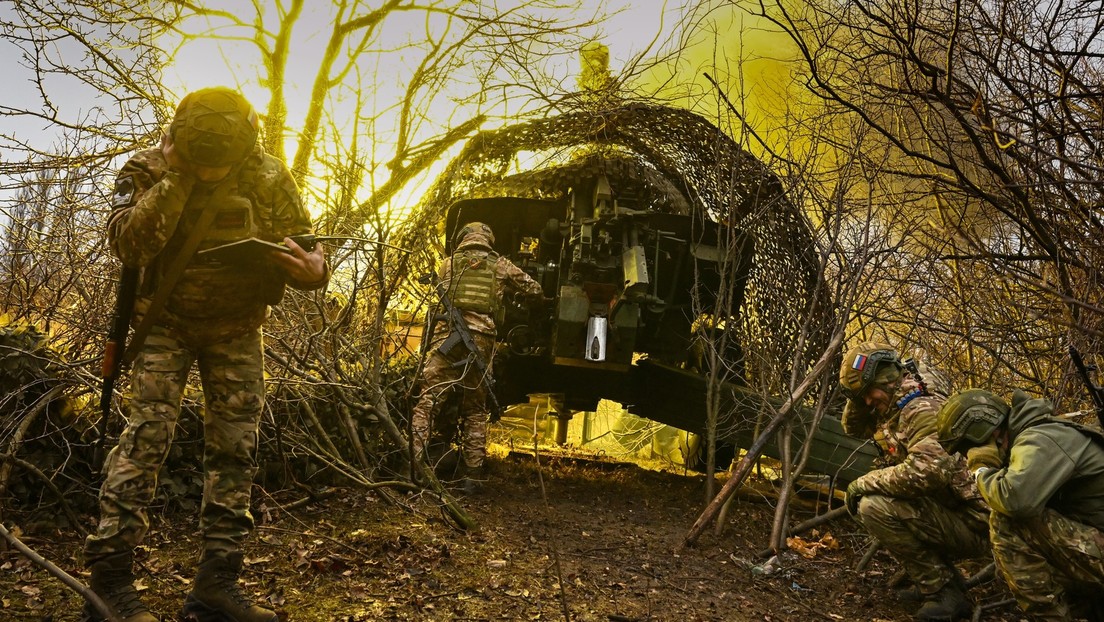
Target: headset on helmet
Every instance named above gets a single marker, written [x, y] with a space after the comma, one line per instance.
[969, 418]
[214, 127]
[480, 231]
[861, 367]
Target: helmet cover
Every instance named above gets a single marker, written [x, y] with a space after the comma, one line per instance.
[969, 418]
[214, 127]
[475, 234]
[869, 364]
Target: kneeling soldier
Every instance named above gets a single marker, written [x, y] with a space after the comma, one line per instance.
[1043, 477]
[924, 508]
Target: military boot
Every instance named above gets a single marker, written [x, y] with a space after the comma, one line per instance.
[471, 478]
[949, 603]
[217, 597]
[446, 465]
[113, 581]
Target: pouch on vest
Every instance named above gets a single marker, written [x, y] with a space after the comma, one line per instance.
[472, 287]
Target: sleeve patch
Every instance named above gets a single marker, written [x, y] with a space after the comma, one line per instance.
[124, 191]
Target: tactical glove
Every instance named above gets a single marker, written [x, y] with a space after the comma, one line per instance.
[855, 492]
[987, 455]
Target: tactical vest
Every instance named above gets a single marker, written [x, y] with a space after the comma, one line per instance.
[210, 290]
[472, 286]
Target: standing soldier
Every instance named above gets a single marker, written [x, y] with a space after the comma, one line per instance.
[475, 279]
[1043, 477]
[924, 508]
[208, 183]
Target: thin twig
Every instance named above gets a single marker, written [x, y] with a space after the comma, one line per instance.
[73, 520]
[69, 580]
[868, 557]
[551, 541]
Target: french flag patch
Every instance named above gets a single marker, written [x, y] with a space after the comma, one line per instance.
[860, 362]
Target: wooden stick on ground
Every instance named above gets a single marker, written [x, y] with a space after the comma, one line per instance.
[65, 577]
[816, 521]
[765, 434]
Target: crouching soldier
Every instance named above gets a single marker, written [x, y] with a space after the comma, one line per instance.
[924, 508]
[1043, 477]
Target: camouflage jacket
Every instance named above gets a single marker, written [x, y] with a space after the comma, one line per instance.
[921, 468]
[154, 210]
[1052, 464]
[507, 276]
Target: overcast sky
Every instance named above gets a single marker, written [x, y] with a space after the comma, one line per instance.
[633, 26]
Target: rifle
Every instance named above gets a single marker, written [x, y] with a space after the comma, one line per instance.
[127, 291]
[913, 368]
[460, 333]
[1096, 393]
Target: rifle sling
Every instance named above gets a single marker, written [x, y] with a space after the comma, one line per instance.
[170, 277]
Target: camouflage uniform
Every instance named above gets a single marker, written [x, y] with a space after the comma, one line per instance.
[1047, 523]
[213, 317]
[925, 509]
[442, 376]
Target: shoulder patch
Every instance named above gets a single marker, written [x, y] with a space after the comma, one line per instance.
[124, 191]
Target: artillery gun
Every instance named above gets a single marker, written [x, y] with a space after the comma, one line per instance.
[651, 232]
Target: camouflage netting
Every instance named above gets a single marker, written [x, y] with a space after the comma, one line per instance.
[685, 165]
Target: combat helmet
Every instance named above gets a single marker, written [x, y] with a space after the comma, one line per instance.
[969, 418]
[869, 364]
[214, 127]
[475, 234]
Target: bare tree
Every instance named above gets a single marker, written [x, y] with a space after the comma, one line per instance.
[994, 128]
[357, 146]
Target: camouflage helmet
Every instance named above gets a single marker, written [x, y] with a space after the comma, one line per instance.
[214, 127]
[969, 418]
[866, 365]
[475, 234]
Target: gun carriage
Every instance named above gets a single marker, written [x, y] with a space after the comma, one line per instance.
[651, 230]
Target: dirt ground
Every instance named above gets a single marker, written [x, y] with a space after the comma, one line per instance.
[568, 540]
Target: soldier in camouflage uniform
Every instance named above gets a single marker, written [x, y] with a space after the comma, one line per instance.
[924, 509]
[476, 279]
[1043, 477]
[208, 160]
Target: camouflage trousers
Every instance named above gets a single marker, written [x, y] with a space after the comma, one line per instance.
[442, 377]
[1049, 562]
[233, 388]
[924, 536]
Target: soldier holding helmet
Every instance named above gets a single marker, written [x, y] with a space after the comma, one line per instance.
[1043, 477]
[923, 508]
[208, 183]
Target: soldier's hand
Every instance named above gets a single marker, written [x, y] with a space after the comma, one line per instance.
[987, 455]
[177, 163]
[854, 494]
[301, 267]
[171, 155]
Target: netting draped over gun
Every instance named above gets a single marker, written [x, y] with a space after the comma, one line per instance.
[1096, 392]
[460, 333]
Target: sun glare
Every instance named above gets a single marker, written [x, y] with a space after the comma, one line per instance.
[366, 102]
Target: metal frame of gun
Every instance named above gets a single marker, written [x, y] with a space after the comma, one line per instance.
[1096, 393]
[460, 333]
[308, 240]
